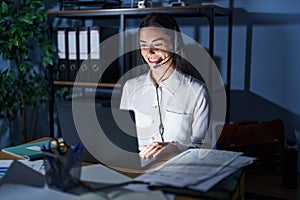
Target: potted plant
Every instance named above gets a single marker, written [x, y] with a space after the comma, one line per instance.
[24, 41]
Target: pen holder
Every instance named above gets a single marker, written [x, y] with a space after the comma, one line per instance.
[62, 171]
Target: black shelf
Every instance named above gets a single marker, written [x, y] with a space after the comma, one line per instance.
[175, 10]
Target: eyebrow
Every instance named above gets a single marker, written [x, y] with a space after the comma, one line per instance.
[155, 40]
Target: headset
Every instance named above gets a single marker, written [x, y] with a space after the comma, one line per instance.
[175, 50]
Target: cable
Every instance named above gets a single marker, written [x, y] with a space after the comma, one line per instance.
[161, 126]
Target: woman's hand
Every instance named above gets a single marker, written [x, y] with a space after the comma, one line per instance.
[155, 149]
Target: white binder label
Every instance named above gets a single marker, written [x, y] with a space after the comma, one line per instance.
[83, 45]
[95, 42]
[61, 44]
[72, 45]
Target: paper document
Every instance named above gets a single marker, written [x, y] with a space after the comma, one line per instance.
[4, 165]
[101, 174]
[19, 173]
[37, 165]
[25, 192]
[121, 195]
[226, 171]
[190, 168]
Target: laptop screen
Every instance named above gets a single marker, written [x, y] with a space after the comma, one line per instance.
[115, 131]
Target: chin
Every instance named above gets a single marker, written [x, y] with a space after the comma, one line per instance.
[151, 65]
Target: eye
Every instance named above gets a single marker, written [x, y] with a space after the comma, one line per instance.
[143, 45]
[158, 44]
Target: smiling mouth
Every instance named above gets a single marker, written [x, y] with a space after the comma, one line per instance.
[155, 61]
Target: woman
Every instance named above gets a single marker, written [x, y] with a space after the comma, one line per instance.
[172, 108]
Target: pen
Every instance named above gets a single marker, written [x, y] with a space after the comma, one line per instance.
[74, 157]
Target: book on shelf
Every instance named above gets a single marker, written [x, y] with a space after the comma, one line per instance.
[28, 151]
[80, 53]
[72, 53]
[94, 39]
[62, 54]
[83, 71]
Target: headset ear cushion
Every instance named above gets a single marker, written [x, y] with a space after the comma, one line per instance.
[175, 42]
[177, 47]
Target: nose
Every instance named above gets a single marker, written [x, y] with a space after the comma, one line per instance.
[151, 50]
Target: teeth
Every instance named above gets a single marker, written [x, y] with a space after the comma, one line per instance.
[153, 60]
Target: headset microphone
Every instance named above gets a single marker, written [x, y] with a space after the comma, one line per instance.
[161, 64]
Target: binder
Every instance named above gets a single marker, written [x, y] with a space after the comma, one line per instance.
[72, 52]
[94, 61]
[28, 151]
[111, 74]
[83, 73]
[62, 54]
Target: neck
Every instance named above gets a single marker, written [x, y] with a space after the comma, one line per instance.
[162, 74]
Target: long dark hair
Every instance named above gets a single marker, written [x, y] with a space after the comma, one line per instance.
[168, 22]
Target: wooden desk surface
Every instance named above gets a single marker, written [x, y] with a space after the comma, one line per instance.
[6, 156]
[237, 194]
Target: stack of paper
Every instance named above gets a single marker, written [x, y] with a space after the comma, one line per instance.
[37, 165]
[197, 169]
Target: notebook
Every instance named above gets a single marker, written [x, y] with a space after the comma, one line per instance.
[28, 151]
[124, 151]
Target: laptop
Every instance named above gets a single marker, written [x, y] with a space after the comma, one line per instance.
[109, 132]
[68, 129]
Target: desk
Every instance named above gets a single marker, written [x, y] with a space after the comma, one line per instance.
[269, 186]
[230, 188]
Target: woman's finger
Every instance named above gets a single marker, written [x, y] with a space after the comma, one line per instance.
[148, 150]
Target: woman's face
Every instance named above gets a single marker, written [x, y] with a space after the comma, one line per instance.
[156, 46]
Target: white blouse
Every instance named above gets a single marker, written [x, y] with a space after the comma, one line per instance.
[184, 104]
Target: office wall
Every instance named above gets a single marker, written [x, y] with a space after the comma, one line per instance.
[265, 62]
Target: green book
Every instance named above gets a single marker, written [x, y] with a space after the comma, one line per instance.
[29, 151]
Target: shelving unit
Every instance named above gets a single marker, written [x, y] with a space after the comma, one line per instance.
[210, 12]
